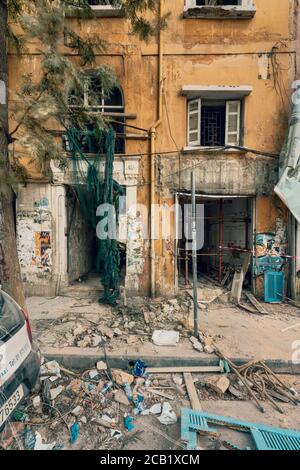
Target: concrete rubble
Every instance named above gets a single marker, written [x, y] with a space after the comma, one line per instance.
[110, 409]
[115, 405]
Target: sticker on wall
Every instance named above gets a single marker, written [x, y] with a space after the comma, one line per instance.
[42, 249]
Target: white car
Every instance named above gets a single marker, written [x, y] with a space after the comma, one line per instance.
[19, 363]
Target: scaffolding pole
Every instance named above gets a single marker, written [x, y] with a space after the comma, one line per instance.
[194, 256]
[221, 218]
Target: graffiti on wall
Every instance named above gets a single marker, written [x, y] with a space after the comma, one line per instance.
[271, 250]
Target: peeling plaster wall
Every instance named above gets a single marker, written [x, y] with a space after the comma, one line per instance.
[236, 174]
[39, 224]
[196, 52]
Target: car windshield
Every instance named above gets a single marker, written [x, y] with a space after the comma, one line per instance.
[11, 318]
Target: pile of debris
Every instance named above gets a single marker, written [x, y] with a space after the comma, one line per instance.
[130, 324]
[103, 408]
[109, 401]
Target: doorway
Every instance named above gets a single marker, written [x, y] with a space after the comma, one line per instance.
[228, 236]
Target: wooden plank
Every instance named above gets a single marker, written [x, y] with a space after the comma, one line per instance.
[160, 394]
[237, 285]
[238, 279]
[225, 278]
[182, 369]
[246, 263]
[255, 303]
[245, 307]
[192, 392]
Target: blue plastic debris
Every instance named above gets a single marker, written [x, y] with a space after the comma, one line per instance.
[224, 366]
[29, 439]
[74, 432]
[90, 387]
[128, 423]
[108, 386]
[128, 391]
[264, 437]
[138, 402]
[139, 369]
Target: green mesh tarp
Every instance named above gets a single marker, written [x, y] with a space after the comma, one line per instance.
[98, 193]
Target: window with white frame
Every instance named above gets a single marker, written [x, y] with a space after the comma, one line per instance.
[213, 122]
[218, 2]
[101, 2]
[94, 100]
[100, 7]
[219, 8]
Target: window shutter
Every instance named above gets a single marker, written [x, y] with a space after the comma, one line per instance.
[194, 115]
[233, 116]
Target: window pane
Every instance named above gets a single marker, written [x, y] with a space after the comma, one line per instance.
[193, 120]
[233, 107]
[213, 118]
[193, 106]
[115, 98]
[232, 122]
[218, 2]
[75, 98]
[232, 139]
[10, 316]
[193, 136]
[94, 92]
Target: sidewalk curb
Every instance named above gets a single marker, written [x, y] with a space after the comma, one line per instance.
[86, 358]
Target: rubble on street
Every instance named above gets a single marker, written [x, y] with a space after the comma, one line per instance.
[113, 408]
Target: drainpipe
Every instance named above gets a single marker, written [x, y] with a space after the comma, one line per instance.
[152, 160]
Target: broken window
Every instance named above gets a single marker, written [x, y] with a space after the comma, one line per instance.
[218, 2]
[213, 123]
[101, 8]
[214, 9]
[98, 2]
[95, 100]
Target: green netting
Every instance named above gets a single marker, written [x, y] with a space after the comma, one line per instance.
[95, 187]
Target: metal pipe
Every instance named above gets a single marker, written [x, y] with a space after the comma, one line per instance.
[152, 159]
[221, 215]
[194, 257]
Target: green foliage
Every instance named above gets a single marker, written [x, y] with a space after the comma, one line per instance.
[92, 190]
[136, 11]
[42, 101]
[43, 109]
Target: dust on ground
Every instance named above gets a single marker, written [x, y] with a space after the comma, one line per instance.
[99, 409]
[65, 322]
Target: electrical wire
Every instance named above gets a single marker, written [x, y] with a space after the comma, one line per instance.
[190, 168]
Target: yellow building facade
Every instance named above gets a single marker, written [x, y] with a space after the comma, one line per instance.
[209, 94]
